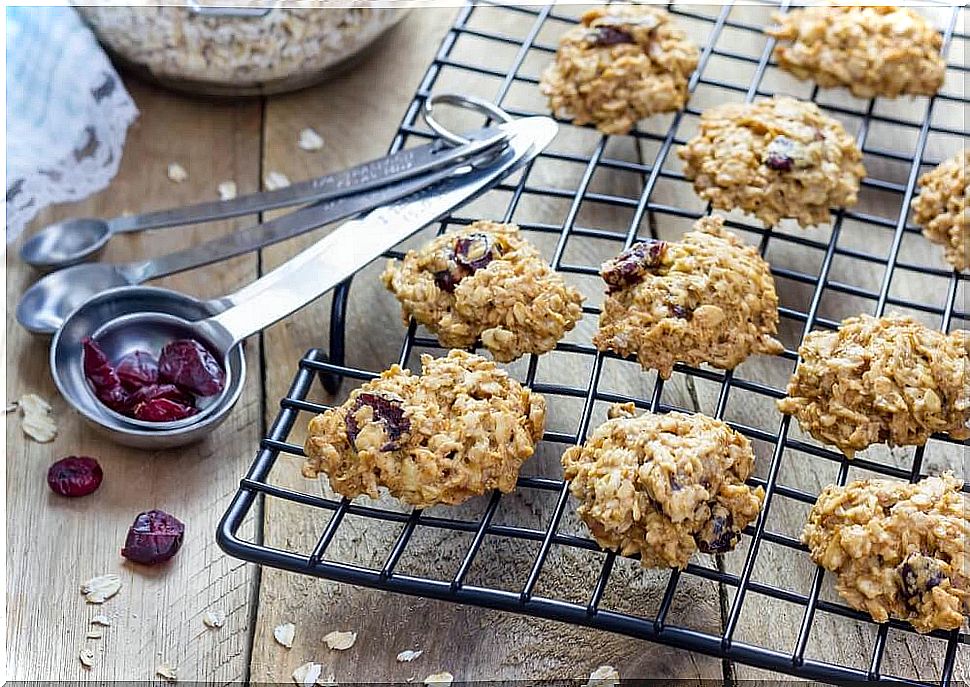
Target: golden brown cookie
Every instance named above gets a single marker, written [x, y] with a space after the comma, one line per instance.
[663, 486]
[942, 208]
[621, 64]
[886, 380]
[460, 429]
[707, 298]
[899, 550]
[872, 51]
[777, 158]
[485, 281]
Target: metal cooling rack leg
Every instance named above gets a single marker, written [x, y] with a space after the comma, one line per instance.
[338, 333]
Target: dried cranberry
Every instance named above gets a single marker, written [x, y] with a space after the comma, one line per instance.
[187, 364]
[917, 575]
[603, 36]
[103, 376]
[630, 266]
[137, 369]
[153, 391]
[162, 410]
[779, 154]
[718, 534]
[388, 411]
[474, 251]
[154, 537]
[75, 476]
[448, 279]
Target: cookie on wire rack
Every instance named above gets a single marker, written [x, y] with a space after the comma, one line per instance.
[881, 380]
[486, 282]
[775, 159]
[900, 550]
[707, 298]
[459, 429]
[942, 208]
[873, 51]
[622, 63]
[663, 486]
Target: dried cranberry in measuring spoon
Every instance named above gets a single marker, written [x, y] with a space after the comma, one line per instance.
[103, 377]
[154, 537]
[187, 364]
[137, 369]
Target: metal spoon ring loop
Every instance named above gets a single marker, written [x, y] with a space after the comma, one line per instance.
[467, 102]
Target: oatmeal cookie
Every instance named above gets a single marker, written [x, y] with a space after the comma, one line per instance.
[941, 208]
[881, 380]
[775, 158]
[899, 550]
[461, 428]
[872, 51]
[621, 64]
[707, 298]
[663, 486]
[485, 281]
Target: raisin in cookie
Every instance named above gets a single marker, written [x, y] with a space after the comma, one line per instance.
[776, 158]
[621, 64]
[872, 51]
[663, 486]
[899, 550]
[941, 208]
[485, 281]
[707, 298]
[461, 428]
[881, 380]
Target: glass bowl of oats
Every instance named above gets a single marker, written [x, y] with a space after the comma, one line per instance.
[245, 50]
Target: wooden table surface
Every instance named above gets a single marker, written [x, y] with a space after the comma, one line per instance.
[54, 544]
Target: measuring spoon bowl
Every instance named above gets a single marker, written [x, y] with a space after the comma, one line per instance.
[66, 243]
[103, 316]
[48, 302]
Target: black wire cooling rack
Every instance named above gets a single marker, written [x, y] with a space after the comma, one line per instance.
[894, 170]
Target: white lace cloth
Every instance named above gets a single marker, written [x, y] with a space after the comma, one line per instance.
[67, 112]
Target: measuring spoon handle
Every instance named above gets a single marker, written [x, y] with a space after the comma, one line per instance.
[369, 175]
[346, 250]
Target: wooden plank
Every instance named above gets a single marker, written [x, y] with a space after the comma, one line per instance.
[54, 544]
[356, 116]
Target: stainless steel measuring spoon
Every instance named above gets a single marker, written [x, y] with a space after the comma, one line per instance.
[75, 240]
[45, 304]
[124, 319]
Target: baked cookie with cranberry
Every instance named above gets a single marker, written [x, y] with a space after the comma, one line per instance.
[775, 159]
[485, 282]
[707, 298]
[663, 486]
[459, 429]
[884, 51]
[622, 63]
[942, 208]
[899, 550]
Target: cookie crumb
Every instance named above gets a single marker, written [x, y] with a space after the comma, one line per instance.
[284, 634]
[310, 140]
[99, 589]
[340, 641]
[227, 190]
[275, 180]
[177, 173]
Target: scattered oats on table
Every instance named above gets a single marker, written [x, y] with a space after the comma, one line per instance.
[900, 550]
[705, 299]
[99, 589]
[621, 64]
[873, 51]
[166, 672]
[307, 674]
[882, 380]
[663, 486]
[86, 656]
[227, 190]
[214, 619]
[461, 428]
[101, 620]
[408, 655]
[177, 173]
[485, 281]
[310, 140]
[942, 208]
[284, 634]
[604, 676]
[340, 641]
[36, 419]
[777, 158]
[275, 180]
[442, 678]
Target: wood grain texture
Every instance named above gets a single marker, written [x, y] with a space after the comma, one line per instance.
[53, 543]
